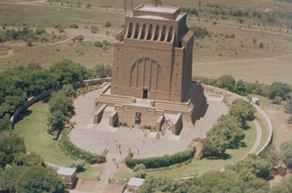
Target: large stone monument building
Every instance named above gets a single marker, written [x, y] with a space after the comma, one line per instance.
[152, 72]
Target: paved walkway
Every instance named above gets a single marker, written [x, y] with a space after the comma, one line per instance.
[97, 138]
[257, 141]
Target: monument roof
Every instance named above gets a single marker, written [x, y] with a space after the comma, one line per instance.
[152, 17]
[158, 9]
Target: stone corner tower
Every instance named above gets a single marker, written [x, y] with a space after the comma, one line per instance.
[153, 55]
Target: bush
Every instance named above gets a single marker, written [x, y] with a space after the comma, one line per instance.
[107, 24]
[157, 162]
[74, 26]
[39, 30]
[98, 44]
[75, 152]
[78, 164]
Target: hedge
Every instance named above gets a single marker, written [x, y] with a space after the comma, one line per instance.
[75, 152]
[164, 161]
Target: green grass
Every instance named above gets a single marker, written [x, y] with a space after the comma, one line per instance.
[198, 167]
[33, 128]
[121, 176]
[89, 172]
[3, 50]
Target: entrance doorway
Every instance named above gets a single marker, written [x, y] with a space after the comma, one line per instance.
[145, 94]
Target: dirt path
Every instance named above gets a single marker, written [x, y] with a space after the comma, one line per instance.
[9, 53]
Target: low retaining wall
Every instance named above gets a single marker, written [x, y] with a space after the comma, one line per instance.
[259, 111]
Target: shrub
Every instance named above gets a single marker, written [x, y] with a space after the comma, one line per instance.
[98, 44]
[74, 26]
[75, 152]
[78, 164]
[164, 161]
[107, 24]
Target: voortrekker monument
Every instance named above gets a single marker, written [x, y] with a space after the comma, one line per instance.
[152, 73]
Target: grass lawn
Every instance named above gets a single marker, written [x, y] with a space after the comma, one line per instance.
[198, 167]
[91, 173]
[33, 128]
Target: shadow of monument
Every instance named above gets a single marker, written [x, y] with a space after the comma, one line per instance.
[27, 112]
[204, 110]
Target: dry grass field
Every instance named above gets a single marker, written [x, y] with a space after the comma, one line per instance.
[215, 55]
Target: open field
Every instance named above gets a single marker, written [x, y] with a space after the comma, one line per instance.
[215, 55]
[33, 129]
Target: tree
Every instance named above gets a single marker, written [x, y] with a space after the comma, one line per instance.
[243, 110]
[38, 179]
[261, 45]
[78, 164]
[226, 82]
[288, 108]
[279, 89]
[67, 72]
[156, 2]
[239, 88]
[31, 159]
[286, 149]
[10, 145]
[9, 178]
[252, 167]
[5, 123]
[227, 133]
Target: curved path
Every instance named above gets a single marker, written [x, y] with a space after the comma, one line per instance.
[9, 53]
[257, 141]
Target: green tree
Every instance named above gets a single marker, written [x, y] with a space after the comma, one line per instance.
[10, 145]
[226, 82]
[252, 167]
[31, 159]
[227, 133]
[243, 110]
[9, 177]
[78, 164]
[279, 89]
[239, 88]
[5, 123]
[67, 72]
[286, 149]
[38, 179]
[261, 45]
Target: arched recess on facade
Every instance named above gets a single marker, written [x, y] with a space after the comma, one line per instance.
[146, 73]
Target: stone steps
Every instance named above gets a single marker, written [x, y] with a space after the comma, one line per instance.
[110, 99]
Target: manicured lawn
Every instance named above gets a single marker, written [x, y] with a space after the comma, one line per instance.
[89, 172]
[198, 167]
[33, 128]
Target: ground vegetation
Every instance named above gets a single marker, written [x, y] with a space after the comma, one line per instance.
[228, 132]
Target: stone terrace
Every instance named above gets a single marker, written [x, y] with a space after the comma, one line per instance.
[97, 138]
